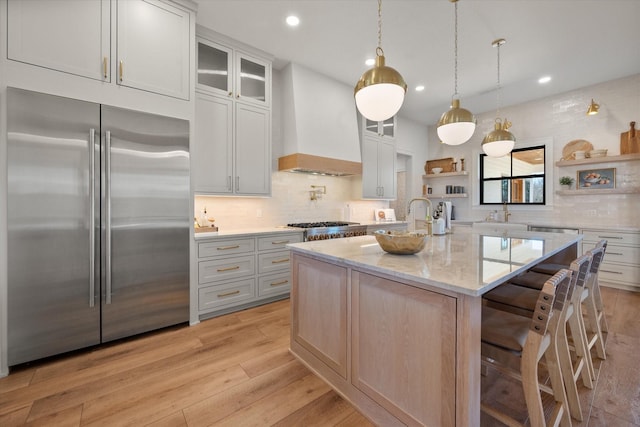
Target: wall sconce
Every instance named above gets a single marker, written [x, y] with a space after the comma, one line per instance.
[593, 108]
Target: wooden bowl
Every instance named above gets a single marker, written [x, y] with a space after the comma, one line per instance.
[401, 242]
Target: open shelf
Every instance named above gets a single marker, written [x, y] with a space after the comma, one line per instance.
[445, 174]
[594, 160]
[594, 191]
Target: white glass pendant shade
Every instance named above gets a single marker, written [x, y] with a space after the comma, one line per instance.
[457, 125]
[380, 101]
[380, 92]
[499, 142]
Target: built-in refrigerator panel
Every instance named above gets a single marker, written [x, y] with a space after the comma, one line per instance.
[98, 224]
[145, 222]
[53, 302]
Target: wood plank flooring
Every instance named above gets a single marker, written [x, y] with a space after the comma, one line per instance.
[236, 370]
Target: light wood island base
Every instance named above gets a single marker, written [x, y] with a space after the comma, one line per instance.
[400, 352]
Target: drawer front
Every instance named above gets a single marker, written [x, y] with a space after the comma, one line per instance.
[229, 294]
[226, 268]
[274, 261]
[619, 273]
[274, 284]
[614, 253]
[278, 242]
[225, 247]
[612, 237]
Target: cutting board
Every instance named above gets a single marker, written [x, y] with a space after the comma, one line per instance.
[629, 141]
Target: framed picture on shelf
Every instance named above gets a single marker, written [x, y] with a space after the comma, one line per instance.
[596, 178]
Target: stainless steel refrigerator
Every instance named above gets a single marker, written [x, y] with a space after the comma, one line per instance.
[98, 223]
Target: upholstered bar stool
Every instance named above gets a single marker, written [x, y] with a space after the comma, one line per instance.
[514, 345]
[519, 299]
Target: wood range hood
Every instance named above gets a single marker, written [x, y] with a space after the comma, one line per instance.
[308, 163]
[320, 125]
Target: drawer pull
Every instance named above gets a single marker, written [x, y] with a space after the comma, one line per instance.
[280, 261]
[282, 282]
[227, 294]
[610, 237]
[609, 271]
[237, 267]
[280, 242]
[226, 248]
[614, 253]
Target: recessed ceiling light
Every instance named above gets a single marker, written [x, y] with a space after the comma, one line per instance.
[419, 88]
[369, 62]
[543, 80]
[293, 21]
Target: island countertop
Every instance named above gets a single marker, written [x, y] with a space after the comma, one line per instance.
[466, 261]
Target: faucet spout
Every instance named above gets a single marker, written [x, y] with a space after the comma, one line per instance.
[424, 199]
[505, 210]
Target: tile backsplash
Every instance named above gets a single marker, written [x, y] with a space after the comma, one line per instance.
[291, 202]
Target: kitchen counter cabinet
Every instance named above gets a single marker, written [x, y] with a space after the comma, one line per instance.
[620, 267]
[243, 270]
[399, 336]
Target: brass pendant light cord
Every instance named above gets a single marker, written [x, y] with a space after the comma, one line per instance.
[455, 51]
[498, 44]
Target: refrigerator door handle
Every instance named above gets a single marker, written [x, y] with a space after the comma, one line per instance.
[92, 217]
[107, 220]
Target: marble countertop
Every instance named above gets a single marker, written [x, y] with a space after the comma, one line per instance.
[466, 261]
[244, 232]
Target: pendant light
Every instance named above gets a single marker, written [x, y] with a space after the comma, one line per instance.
[499, 142]
[380, 91]
[457, 125]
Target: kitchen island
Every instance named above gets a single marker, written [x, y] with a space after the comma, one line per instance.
[398, 336]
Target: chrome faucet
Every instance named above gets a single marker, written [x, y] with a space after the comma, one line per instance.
[506, 212]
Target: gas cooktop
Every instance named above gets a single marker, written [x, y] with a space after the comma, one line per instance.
[322, 224]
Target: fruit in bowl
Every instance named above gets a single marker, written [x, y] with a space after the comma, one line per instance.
[436, 170]
[401, 242]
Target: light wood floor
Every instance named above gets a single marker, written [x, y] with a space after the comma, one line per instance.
[235, 370]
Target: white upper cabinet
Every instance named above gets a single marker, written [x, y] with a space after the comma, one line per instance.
[153, 47]
[146, 43]
[230, 72]
[385, 129]
[65, 35]
[378, 169]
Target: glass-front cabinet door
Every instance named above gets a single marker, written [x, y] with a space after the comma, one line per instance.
[214, 68]
[252, 80]
[385, 129]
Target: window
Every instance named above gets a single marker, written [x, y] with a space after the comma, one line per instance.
[517, 178]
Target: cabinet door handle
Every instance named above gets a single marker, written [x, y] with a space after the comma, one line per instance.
[280, 242]
[238, 96]
[609, 271]
[227, 294]
[235, 267]
[280, 261]
[282, 282]
[121, 69]
[231, 94]
[226, 248]
[104, 67]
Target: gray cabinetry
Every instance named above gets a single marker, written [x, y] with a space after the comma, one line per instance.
[621, 265]
[236, 273]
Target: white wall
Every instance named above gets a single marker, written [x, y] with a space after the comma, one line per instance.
[560, 119]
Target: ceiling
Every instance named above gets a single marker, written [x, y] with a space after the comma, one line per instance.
[576, 42]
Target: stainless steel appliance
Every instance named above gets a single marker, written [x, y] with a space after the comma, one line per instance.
[330, 229]
[98, 223]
